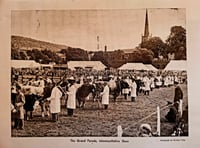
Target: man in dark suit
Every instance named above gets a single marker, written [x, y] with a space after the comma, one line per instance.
[175, 112]
[178, 93]
[178, 98]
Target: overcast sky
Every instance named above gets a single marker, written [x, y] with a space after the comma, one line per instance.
[118, 29]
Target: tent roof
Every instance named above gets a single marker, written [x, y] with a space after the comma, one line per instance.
[133, 66]
[151, 67]
[97, 65]
[177, 65]
[47, 65]
[24, 64]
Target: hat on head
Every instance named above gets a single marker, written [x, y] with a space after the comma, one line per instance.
[18, 87]
[176, 83]
[110, 76]
[71, 78]
[145, 130]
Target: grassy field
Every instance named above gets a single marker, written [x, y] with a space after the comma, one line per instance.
[94, 122]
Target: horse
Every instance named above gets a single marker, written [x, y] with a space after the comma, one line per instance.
[83, 92]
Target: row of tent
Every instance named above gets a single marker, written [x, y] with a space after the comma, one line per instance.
[137, 66]
[175, 65]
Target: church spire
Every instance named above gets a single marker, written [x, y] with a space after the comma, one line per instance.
[146, 28]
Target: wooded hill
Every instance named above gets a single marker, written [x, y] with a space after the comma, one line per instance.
[19, 42]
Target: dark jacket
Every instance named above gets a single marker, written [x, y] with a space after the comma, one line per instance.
[178, 94]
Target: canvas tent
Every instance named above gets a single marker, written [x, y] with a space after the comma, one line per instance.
[176, 65]
[151, 67]
[46, 65]
[97, 65]
[133, 66]
[24, 64]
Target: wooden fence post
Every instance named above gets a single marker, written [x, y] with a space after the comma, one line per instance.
[158, 120]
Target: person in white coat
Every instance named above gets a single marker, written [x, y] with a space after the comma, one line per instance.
[56, 93]
[147, 84]
[133, 87]
[71, 101]
[105, 95]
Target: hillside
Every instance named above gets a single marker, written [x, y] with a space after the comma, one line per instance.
[19, 42]
[24, 48]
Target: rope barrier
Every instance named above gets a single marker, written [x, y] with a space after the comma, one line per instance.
[163, 108]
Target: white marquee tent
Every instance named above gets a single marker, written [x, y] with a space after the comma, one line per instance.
[24, 64]
[46, 65]
[133, 66]
[177, 65]
[97, 65]
[151, 67]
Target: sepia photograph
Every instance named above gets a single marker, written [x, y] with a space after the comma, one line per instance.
[99, 73]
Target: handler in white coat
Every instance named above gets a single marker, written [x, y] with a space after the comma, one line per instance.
[133, 87]
[56, 94]
[71, 101]
[147, 84]
[105, 95]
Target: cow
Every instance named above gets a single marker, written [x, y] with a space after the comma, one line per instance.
[33, 94]
[44, 103]
[30, 100]
[116, 87]
[83, 92]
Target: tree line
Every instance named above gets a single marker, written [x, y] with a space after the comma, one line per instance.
[145, 52]
[175, 43]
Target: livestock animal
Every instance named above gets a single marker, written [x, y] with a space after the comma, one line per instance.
[116, 87]
[33, 94]
[44, 103]
[83, 92]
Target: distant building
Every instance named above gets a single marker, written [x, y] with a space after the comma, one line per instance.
[24, 64]
[90, 65]
[62, 56]
[115, 58]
